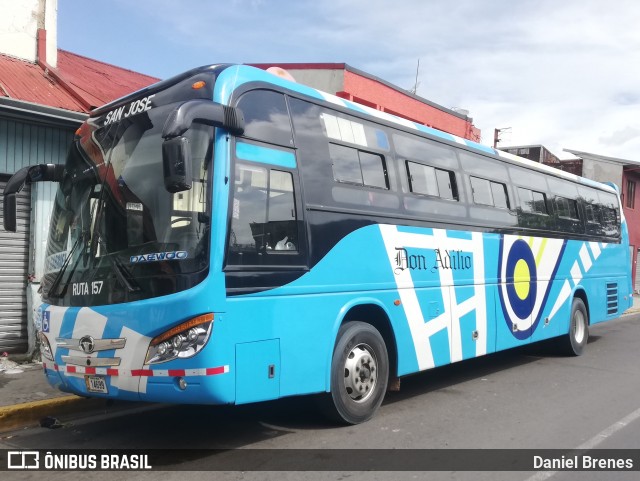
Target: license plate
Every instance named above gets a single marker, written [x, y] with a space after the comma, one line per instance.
[96, 384]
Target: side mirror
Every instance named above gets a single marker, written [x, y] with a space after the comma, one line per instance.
[204, 112]
[176, 162]
[9, 212]
[176, 151]
[26, 175]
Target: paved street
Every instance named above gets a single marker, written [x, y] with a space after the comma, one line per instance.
[525, 398]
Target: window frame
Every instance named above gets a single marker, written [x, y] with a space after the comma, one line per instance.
[534, 202]
[630, 201]
[491, 184]
[569, 202]
[453, 186]
[289, 143]
[358, 151]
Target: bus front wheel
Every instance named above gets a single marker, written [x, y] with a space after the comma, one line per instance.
[574, 343]
[359, 374]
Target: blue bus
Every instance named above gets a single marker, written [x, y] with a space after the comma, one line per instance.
[229, 236]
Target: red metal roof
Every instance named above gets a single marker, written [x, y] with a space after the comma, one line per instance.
[98, 82]
[78, 83]
[27, 81]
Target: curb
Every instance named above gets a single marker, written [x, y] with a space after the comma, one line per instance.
[18, 416]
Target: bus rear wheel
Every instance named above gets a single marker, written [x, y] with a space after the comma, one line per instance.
[573, 344]
[359, 374]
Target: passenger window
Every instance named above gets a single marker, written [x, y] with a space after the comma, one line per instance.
[346, 165]
[481, 191]
[532, 202]
[540, 203]
[373, 172]
[590, 213]
[263, 218]
[566, 207]
[427, 180]
[358, 167]
[447, 184]
[487, 192]
[266, 117]
[422, 179]
[499, 192]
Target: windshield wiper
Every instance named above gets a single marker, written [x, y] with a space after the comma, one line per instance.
[124, 275]
[56, 282]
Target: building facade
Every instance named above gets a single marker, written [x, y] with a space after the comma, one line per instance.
[361, 87]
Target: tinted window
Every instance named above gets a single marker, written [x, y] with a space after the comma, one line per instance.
[266, 117]
[422, 179]
[540, 203]
[486, 192]
[590, 213]
[499, 192]
[422, 149]
[532, 201]
[263, 219]
[373, 172]
[427, 180]
[357, 167]
[481, 191]
[476, 164]
[447, 184]
[346, 164]
[526, 199]
[566, 207]
[353, 130]
[610, 214]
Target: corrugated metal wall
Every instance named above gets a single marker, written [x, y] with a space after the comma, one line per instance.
[14, 259]
[21, 144]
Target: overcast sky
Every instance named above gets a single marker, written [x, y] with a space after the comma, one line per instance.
[562, 73]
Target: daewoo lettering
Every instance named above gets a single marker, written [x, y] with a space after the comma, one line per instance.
[159, 256]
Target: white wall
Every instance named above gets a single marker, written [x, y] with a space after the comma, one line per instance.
[19, 24]
[602, 171]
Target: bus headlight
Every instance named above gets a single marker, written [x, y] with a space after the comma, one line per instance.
[182, 341]
[45, 347]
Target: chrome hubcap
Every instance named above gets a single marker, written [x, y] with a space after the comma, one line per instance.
[360, 373]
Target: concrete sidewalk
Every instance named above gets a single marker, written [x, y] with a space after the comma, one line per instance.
[26, 397]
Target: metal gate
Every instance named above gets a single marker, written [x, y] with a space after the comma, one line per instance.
[14, 261]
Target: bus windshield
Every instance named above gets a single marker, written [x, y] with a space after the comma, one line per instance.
[116, 233]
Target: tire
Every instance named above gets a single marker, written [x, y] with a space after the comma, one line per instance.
[575, 341]
[359, 374]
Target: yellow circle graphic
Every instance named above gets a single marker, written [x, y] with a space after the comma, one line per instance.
[522, 279]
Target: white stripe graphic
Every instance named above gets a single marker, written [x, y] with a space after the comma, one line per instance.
[422, 330]
[585, 258]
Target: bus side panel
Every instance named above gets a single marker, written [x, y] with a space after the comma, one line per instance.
[449, 295]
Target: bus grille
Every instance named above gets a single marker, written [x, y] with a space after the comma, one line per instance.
[612, 298]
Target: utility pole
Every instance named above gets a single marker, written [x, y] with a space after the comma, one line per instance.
[496, 136]
[415, 86]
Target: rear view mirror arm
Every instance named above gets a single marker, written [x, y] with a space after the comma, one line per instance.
[24, 176]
